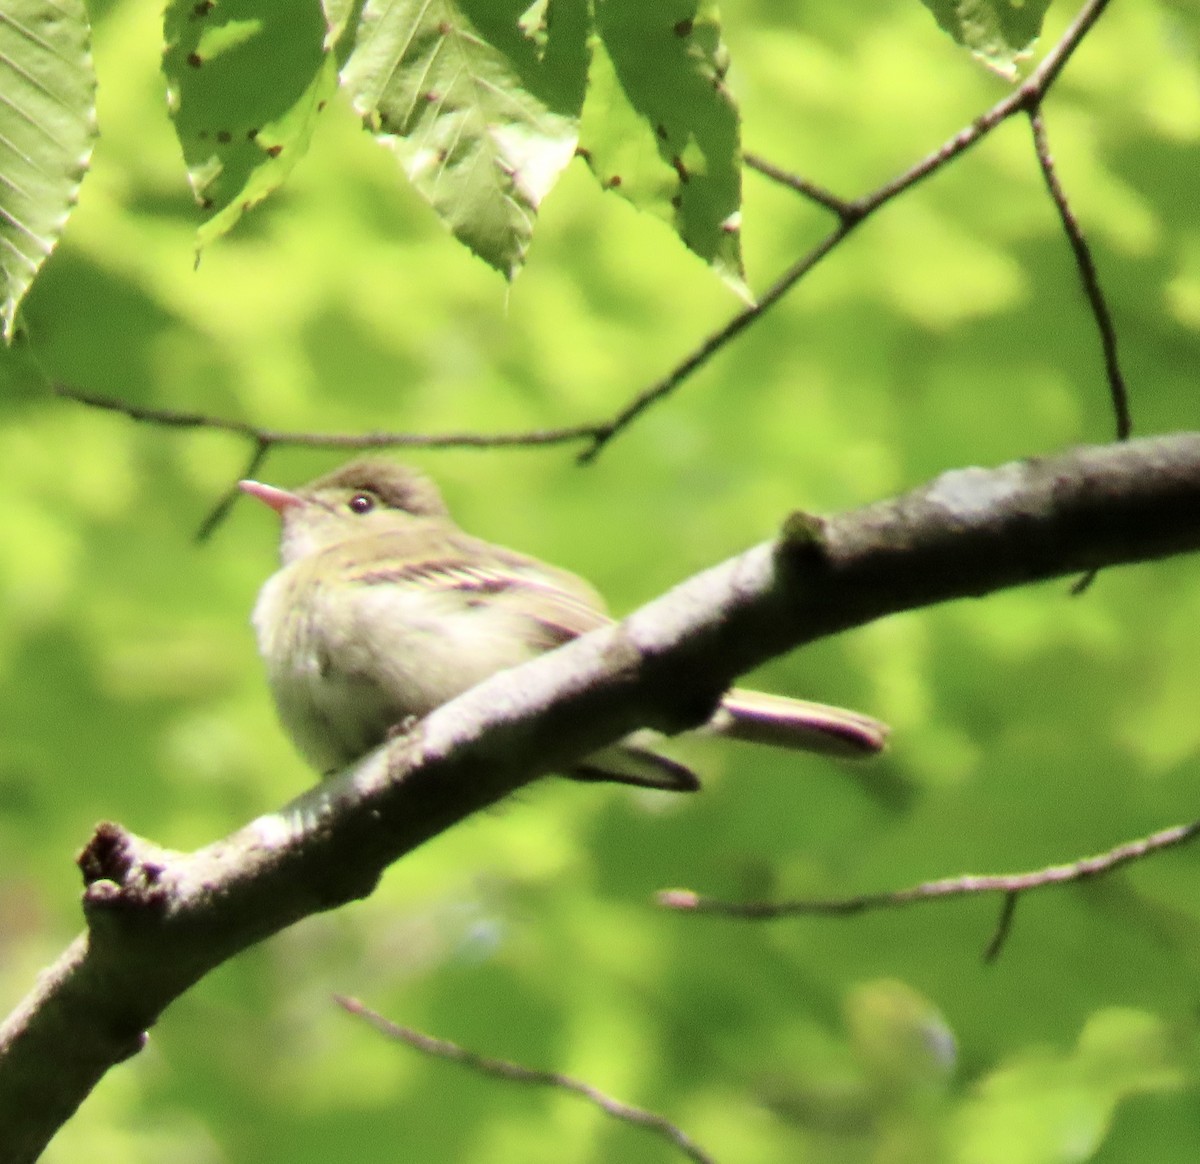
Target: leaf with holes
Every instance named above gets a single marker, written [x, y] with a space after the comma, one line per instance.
[998, 32]
[660, 127]
[47, 127]
[246, 81]
[482, 117]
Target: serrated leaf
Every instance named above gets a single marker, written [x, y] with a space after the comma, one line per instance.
[534, 23]
[246, 80]
[339, 16]
[482, 119]
[660, 127]
[47, 127]
[998, 32]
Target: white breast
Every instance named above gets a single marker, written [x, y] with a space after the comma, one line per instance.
[346, 667]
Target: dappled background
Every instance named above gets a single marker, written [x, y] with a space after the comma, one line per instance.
[1029, 729]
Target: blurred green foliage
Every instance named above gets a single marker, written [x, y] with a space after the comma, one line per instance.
[1029, 728]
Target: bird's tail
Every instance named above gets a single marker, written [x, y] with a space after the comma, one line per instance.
[743, 715]
[628, 763]
[796, 723]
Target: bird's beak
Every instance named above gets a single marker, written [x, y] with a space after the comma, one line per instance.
[279, 500]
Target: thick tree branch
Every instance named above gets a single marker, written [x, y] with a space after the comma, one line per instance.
[158, 921]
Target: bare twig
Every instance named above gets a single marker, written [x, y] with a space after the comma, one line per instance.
[800, 184]
[1091, 287]
[516, 1073]
[270, 437]
[1087, 275]
[1027, 96]
[222, 508]
[1012, 885]
[1008, 911]
[266, 439]
[713, 344]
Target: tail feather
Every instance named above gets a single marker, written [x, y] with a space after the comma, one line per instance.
[796, 723]
[753, 716]
[626, 764]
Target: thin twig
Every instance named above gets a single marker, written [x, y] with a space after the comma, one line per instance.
[326, 440]
[222, 508]
[1003, 928]
[850, 214]
[1087, 275]
[800, 184]
[1010, 884]
[267, 438]
[505, 1069]
[714, 343]
[1091, 287]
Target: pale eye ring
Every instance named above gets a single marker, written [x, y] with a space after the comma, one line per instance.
[362, 503]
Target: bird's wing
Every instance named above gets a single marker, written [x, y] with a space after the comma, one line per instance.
[558, 605]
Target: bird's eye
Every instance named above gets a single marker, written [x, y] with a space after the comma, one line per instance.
[362, 503]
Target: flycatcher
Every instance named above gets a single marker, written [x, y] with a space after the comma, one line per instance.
[384, 609]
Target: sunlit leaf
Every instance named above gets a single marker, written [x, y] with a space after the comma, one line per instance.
[482, 125]
[47, 126]
[534, 23]
[660, 126]
[246, 81]
[338, 17]
[998, 32]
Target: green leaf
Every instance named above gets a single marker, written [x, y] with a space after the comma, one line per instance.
[661, 129]
[246, 81]
[47, 127]
[482, 118]
[340, 16]
[998, 32]
[534, 23]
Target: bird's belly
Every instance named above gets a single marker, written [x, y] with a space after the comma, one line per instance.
[347, 677]
[332, 717]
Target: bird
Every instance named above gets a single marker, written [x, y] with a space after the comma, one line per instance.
[383, 609]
